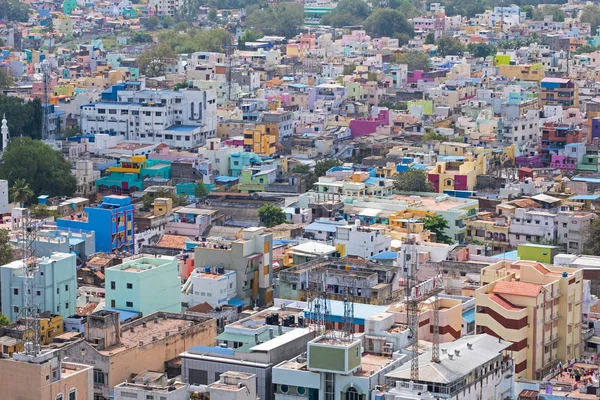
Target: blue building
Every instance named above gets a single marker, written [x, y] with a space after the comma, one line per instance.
[112, 221]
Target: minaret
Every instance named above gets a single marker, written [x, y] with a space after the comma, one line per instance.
[4, 133]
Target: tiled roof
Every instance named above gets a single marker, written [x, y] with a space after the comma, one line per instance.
[517, 288]
[87, 309]
[201, 308]
[503, 302]
[172, 242]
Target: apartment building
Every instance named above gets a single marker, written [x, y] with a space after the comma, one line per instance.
[54, 286]
[118, 352]
[182, 119]
[532, 225]
[215, 286]
[361, 241]
[572, 226]
[250, 256]
[279, 121]
[144, 285]
[559, 92]
[164, 7]
[537, 308]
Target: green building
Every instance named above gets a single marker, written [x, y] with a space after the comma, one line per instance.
[69, 6]
[144, 285]
[537, 252]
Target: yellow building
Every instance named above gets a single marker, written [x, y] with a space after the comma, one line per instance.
[533, 72]
[262, 138]
[536, 307]
[488, 230]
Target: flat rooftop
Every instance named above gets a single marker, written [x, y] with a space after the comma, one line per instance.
[154, 328]
[131, 146]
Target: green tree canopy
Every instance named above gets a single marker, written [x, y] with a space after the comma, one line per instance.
[528, 10]
[151, 24]
[481, 50]
[24, 118]
[155, 60]
[212, 15]
[281, 19]
[193, 40]
[450, 46]
[324, 165]
[437, 224]
[271, 215]
[347, 13]
[6, 79]
[141, 37]
[149, 197]
[539, 13]
[4, 320]
[591, 244]
[45, 170]
[200, 191]
[389, 22]
[14, 10]
[591, 15]
[20, 192]
[6, 250]
[415, 60]
[413, 180]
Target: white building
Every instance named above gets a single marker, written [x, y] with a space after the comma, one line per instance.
[212, 285]
[234, 386]
[218, 154]
[362, 241]
[86, 177]
[507, 16]
[524, 132]
[571, 229]
[532, 226]
[469, 368]
[3, 197]
[181, 119]
[164, 7]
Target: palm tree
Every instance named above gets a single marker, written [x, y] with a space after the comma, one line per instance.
[21, 192]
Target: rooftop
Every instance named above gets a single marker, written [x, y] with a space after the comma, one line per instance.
[517, 288]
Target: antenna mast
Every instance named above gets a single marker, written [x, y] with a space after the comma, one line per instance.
[30, 311]
[45, 70]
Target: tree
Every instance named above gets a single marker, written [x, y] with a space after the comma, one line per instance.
[4, 320]
[413, 180]
[301, 169]
[149, 197]
[24, 118]
[415, 60]
[349, 69]
[250, 35]
[591, 244]
[557, 14]
[481, 50]
[6, 80]
[45, 170]
[389, 22]
[212, 15]
[271, 215]
[14, 10]
[430, 38]
[437, 224]
[151, 24]
[193, 40]
[528, 10]
[347, 13]
[20, 192]
[431, 135]
[72, 131]
[450, 46]
[141, 38]
[181, 85]
[167, 21]
[591, 15]
[154, 61]
[200, 191]
[324, 165]
[281, 19]
[6, 251]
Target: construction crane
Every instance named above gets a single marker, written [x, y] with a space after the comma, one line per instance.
[416, 294]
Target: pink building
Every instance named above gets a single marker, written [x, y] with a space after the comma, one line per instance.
[37, 87]
[418, 75]
[367, 126]
[355, 36]
[563, 162]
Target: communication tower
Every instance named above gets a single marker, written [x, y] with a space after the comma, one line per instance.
[46, 75]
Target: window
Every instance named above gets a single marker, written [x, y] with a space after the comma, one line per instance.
[38, 293]
[98, 377]
[113, 303]
[16, 292]
[284, 388]
[66, 288]
[129, 304]
[113, 285]
[67, 305]
[15, 309]
[59, 397]
[58, 309]
[73, 394]
[130, 286]
[57, 290]
[112, 111]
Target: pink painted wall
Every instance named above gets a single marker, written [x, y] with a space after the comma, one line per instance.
[367, 126]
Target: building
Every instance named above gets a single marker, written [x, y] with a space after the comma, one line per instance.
[111, 220]
[251, 257]
[3, 197]
[43, 377]
[215, 286]
[361, 241]
[234, 386]
[151, 385]
[54, 286]
[280, 122]
[537, 308]
[559, 92]
[182, 119]
[261, 139]
[144, 284]
[49, 241]
[86, 177]
[250, 345]
[531, 225]
[117, 352]
[354, 365]
[474, 366]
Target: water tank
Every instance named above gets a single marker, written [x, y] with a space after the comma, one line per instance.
[207, 270]
[275, 319]
[221, 270]
[291, 320]
[286, 322]
[301, 322]
[269, 319]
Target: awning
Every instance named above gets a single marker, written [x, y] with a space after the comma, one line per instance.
[236, 302]
[125, 315]
[469, 316]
